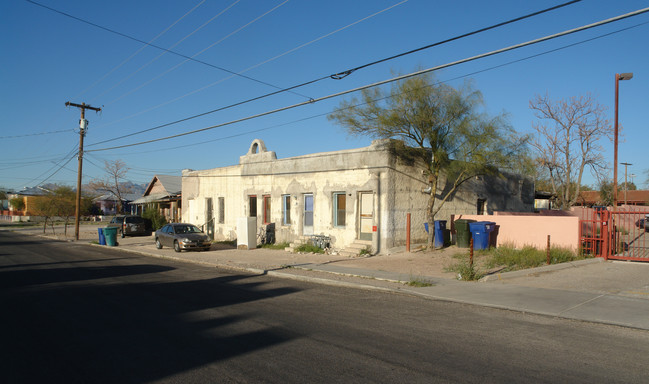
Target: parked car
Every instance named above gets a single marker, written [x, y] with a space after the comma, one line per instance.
[129, 225]
[643, 223]
[182, 236]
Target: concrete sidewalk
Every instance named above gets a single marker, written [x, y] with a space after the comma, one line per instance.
[590, 290]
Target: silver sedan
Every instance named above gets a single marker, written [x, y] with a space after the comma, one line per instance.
[182, 236]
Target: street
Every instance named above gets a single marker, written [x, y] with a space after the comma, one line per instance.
[76, 313]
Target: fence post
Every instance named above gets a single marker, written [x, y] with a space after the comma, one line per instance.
[471, 254]
[408, 232]
[548, 251]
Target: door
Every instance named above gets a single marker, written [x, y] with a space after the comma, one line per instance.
[366, 212]
[307, 223]
[209, 218]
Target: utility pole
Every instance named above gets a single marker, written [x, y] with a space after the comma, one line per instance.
[83, 125]
[626, 185]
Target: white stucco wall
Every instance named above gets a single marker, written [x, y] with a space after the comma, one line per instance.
[397, 190]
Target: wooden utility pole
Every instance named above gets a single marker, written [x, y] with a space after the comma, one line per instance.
[83, 125]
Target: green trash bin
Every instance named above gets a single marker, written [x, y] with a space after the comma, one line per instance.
[463, 234]
[110, 233]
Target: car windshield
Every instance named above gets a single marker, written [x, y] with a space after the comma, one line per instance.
[186, 229]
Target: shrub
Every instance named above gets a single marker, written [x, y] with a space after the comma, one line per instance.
[152, 213]
[309, 248]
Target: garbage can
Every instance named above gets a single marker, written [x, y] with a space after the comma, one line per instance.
[102, 238]
[440, 231]
[480, 231]
[462, 232]
[111, 236]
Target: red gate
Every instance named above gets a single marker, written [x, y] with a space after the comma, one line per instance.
[630, 235]
[619, 235]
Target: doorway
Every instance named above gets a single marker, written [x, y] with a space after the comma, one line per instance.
[307, 223]
[366, 219]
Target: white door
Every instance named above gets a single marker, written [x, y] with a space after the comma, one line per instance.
[366, 219]
[307, 222]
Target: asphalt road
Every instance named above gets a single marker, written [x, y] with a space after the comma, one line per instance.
[75, 313]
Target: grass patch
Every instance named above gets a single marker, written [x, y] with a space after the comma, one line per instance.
[507, 258]
[309, 248]
[364, 252]
[465, 271]
[419, 282]
[274, 246]
[528, 257]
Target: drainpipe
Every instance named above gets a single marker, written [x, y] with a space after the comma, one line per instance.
[376, 234]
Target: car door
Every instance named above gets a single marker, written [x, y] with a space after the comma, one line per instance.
[166, 236]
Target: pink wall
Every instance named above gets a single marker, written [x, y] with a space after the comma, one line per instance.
[532, 229]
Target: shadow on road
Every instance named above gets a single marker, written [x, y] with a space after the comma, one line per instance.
[118, 321]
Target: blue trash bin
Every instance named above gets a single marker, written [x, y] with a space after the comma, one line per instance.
[102, 238]
[481, 231]
[440, 230]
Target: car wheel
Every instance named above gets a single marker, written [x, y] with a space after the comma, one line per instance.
[176, 246]
[158, 244]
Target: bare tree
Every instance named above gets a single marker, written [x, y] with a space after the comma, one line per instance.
[568, 142]
[113, 183]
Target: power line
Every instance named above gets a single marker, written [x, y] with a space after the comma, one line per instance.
[243, 71]
[388, 96]
[343, 74]
[36, 134]
[203, 50]
[333, 76]
[397, 78]
[154, 45]
[137, 52]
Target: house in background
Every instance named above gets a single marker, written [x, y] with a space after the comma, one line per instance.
[635, 197]
[29, 196]
[360, 196]
[164, 192]
[107, 203]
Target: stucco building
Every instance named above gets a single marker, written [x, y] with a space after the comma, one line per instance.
[357, 195]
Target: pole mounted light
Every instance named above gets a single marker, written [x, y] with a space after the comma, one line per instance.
[618, 77]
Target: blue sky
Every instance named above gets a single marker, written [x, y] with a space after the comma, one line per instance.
[49, 58]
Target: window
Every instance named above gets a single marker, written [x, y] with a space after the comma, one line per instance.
[252, 203]
[286, 209]
[266, 209]
[221, 210]
[340, 205]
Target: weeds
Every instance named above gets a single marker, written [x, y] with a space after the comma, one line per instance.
[309, 248]
[274, 246]
[465, 270]
[364, 252]
[419, 282]
[508, 259]
[528, 257]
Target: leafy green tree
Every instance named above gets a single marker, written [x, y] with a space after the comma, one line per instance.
[442, 129]
[18, 203]
[605, 193]
[60, 202]
[44, 206]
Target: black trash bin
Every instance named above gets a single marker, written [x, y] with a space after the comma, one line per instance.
[463, 233]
